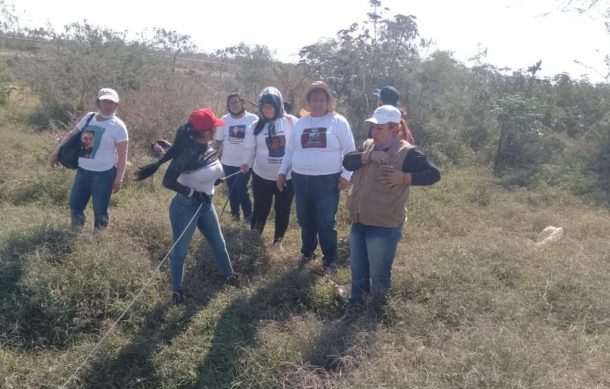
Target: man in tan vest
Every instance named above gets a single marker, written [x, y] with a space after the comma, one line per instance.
[383, 172]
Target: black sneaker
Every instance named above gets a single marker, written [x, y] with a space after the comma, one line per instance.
[376, 306]
[352, 313]
[327, 268]
[233, 280]
[304, 260]
[178, 298]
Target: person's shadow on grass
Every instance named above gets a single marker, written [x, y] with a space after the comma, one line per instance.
[282, 296]
[133, 366]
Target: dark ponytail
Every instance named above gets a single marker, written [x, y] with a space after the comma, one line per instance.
[181, 140]
[260, 124]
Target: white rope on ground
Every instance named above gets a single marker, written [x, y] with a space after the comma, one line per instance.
[97, 346]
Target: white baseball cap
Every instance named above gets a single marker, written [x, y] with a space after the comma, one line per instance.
[385, 114]
[108, 94]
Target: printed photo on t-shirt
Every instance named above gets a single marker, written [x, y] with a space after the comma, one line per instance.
[237, 133]
[276, 145]
[90, 139]
[314, 138]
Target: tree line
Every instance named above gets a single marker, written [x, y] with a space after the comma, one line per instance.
[530, 130]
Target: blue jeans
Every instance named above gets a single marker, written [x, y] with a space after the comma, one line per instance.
[372, 251]
[181, 210]
[96, 185]
[238, 191]
[317, 199]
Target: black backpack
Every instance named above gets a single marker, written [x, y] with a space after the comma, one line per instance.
[70, 151]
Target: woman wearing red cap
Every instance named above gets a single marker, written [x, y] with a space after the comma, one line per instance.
[194, 170]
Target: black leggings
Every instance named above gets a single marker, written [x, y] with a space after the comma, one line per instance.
[263, 191]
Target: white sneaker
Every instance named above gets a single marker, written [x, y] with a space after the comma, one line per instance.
[277, 246]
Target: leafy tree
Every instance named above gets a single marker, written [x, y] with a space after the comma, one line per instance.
[84, 58]
[380, 51]
[173, 43]
[8, 21]
[599, 159]
[256, 64]
[519, 149]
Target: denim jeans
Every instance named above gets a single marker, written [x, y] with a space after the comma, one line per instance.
[96, 185]
[237, 187]
[372, 251]
[263, 192]
[181, 210]
[317, 199]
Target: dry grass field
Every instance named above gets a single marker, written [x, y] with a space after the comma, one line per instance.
[474, 304]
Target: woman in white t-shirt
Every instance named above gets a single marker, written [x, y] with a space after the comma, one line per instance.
[314, 154]
[102, 160]
[230, 141]
[265, 146]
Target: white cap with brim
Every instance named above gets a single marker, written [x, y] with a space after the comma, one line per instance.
[108, 94]
[385, 114]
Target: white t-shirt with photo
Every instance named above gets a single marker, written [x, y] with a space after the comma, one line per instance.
[98, 140]
[267, 152]
[317, 146]
[232, 135]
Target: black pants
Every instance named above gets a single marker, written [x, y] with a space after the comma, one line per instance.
[263, 191]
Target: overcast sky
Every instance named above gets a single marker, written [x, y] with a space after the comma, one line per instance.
[515, 33]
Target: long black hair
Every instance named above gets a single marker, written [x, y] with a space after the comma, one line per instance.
[181, 141]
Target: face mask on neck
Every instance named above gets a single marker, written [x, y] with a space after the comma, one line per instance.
[387, 144]
[107, 116]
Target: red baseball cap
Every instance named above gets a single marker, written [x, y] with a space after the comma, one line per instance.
[204, 120]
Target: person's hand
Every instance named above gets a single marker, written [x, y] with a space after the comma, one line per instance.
[116, 186]
[158, 148]
[281, 182]
[342, 183]
[391, 177]
[244, 168]
[378, 156]
[55, 159]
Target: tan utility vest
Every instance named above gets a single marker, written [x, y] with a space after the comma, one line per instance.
[371, 203]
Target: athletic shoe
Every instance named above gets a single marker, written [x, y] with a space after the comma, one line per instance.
[178, 298]
[233, 280]
[304, 260]
[352, 313]
[277, 246]
[327, 268]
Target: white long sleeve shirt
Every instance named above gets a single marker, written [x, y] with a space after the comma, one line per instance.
[267, 152]
[317, 146]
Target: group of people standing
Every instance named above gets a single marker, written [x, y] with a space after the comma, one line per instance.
[310, 159]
